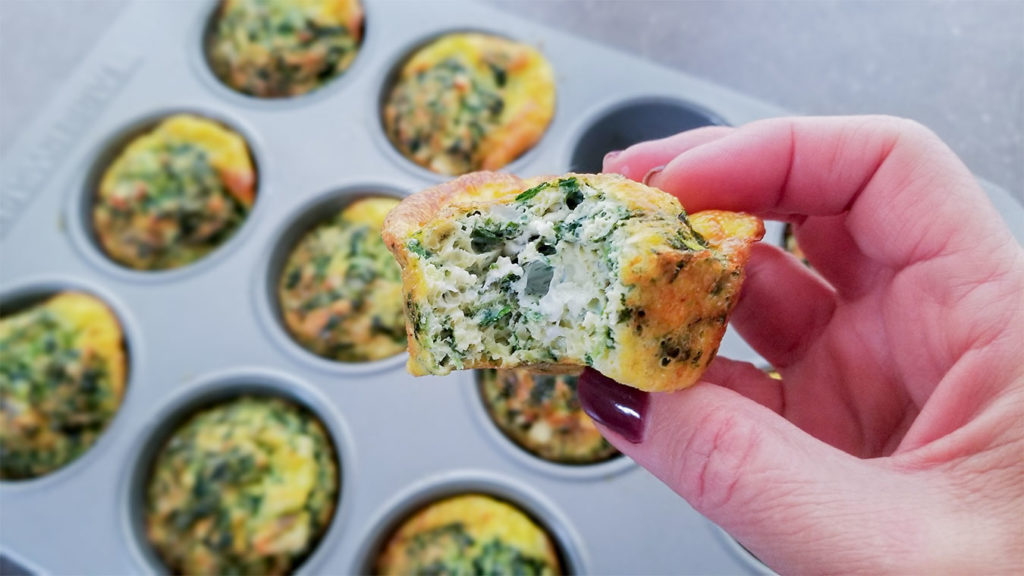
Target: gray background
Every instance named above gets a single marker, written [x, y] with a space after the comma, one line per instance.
[957, 67]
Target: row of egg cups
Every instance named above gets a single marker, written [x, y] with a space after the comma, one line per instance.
[635, 120]
[220, 387]
[23, 295]
[223, 387]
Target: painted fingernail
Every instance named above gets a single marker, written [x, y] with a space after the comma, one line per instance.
[611, 155]
[619, 408]
[652, 173]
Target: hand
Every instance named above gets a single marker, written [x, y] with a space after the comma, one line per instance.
[894, 442]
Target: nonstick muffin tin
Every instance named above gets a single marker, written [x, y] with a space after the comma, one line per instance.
[211, 330]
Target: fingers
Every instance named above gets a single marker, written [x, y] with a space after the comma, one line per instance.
[783, 307]
[748, 380]
[883, 171]
[787, 497]
[637, 160]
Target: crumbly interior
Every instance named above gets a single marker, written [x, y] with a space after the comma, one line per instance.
[534, 281]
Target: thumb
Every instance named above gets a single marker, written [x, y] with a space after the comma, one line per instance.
[793, 501]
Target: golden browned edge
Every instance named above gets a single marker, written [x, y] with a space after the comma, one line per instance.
[731, 233]
[119, 376]
[416, 210]
[701, 299]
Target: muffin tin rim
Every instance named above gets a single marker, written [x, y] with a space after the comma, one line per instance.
[413, 497]
[603, 470]
[209, 390]
[200, 66]
[273, 259]
[45, 287]
[81, 196]
[385, 81]
[599, 111]
[741, 553]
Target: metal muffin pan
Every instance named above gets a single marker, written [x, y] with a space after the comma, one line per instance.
[206, 329]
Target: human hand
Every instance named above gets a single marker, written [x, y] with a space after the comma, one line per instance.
[894, 442]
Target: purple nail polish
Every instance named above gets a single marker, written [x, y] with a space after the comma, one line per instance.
[611, 155]
[619, 408]
[651, 174]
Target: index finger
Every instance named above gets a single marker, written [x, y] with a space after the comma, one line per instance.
[905, 195]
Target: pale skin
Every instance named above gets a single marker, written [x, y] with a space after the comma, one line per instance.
[895, 441]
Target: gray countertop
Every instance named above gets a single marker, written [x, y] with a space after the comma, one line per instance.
[957, 67]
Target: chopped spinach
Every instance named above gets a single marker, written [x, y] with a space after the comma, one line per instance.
[538, 277]
[415, 247]
[528, 194]
[491, 316]
[573, 195]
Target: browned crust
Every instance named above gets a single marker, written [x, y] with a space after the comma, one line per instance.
[420, 208]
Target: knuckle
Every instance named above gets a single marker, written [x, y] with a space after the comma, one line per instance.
[715, 459]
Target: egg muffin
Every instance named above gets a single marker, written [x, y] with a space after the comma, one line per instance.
[557, 273]
[340, 291]
[541, 414]
[245, 487]
[789, 242]
[469, 534]
[282, 48]
[62, 377]
[469, 102]
[174, 194]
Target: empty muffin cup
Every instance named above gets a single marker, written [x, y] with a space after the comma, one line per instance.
[631, 122]
[64, 366]
[240, 475]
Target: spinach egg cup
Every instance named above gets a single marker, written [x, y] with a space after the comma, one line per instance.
[173, 194]
[247, 485]
[469, 534]
[63, 372]
[468, 101]
[339, 292]
[541, 414]
[283, 48]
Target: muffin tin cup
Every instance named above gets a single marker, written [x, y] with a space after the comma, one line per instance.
[268, 274]
[571, 553]
[596, 471]
[386, 83]
[210, 391]
[622, 122]
[201, 68]
[17, 297]
[742, 554]
[79, 207]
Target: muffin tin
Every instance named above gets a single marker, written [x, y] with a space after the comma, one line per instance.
[210, 330]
